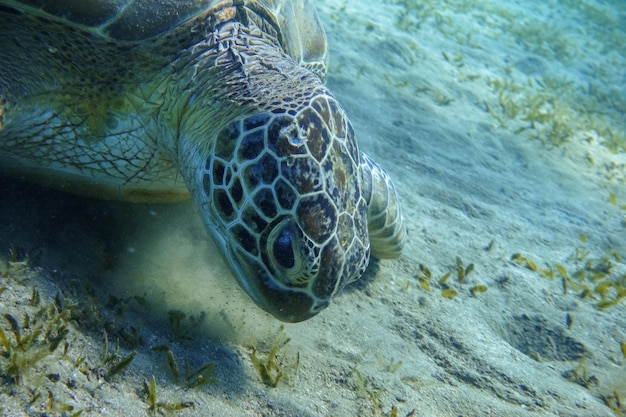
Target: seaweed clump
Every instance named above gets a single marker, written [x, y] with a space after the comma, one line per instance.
[270, 367]
[32, 338]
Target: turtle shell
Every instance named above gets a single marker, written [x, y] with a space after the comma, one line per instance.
[293, 22]
[99, 51]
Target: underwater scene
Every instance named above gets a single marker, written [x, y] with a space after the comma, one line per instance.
[502, 125]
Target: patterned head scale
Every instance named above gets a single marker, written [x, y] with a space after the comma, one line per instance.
[283, 188]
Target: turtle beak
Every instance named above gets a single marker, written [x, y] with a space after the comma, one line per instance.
[285, 304]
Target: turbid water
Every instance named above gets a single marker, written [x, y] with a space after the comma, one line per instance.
[502, 125]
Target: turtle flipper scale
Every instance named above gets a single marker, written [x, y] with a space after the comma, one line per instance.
[385, 223]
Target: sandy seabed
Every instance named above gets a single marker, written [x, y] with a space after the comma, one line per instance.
[500, 125]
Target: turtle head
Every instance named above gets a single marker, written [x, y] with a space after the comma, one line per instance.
[283, 198]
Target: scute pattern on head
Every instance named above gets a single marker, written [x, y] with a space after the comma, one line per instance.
[285, 187]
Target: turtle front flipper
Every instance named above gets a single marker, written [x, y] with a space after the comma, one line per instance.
[385, 224]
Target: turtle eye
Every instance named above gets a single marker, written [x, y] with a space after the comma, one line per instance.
[283, 249]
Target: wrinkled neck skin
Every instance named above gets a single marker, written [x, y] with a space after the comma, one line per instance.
[235, 72]
[272, 164]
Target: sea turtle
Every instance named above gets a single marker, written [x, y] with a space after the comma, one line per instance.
[156, 100]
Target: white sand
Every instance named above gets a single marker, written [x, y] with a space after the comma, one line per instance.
[471, 188]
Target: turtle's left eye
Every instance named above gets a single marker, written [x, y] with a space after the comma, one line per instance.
[283, 249]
